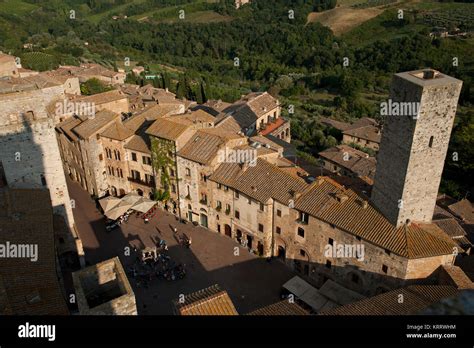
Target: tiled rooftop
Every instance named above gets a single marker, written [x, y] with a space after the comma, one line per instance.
[209, 301]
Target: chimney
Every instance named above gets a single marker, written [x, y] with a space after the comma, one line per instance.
[341, 197]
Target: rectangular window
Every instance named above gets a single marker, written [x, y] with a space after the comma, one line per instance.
[236, 195]
[149, 178]
[302, 253]
[384, 269]
[219, 186]
[303, 217]
[237, 214]
[172, 172]
[146, 160]
[260, 227]
[262, 207]
[218, 205]
[278, 230]
[279, 213]
[173, 188]
[188, 172]
[300, 232]
[331, 241]
[101, 157]
[134, 157]
[135, 175]
[226, 188]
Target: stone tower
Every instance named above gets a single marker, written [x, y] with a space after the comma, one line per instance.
[419, 118]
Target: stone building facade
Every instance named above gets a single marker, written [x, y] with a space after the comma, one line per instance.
[414, 146]
[30, 154]
[86, 163]
[8, 67]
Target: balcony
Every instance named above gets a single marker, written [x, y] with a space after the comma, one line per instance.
[142, 182]
[203, 201]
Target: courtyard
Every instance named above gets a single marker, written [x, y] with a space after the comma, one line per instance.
[251, 282]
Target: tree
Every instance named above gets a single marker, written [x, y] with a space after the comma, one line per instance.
[94, 86]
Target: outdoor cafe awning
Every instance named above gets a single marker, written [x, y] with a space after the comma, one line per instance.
[143, 205]
[115, 207]
[109, 203]
[118, 211]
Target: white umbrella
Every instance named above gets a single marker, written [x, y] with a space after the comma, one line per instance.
[131, 198]
[143, 205]
[108, 203]
[118, 211]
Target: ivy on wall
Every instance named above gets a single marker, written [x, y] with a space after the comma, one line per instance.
[162, 155]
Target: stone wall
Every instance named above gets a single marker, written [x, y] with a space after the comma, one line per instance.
[143, 169]
[30, 154]
[121, 184]
[361, 274]
[413, 149]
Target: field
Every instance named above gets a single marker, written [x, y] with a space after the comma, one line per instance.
[424, 16]
[15, 7]
[343, 19]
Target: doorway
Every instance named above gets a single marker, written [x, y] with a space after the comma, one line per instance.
[203, 220]
[228, 231]
[249, 241]
[281, 254]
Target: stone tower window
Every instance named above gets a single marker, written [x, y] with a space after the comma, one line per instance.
[430, 144]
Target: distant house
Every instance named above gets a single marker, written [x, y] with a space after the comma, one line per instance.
[239, 3]
[348, 161]
[8, 66]
[365, 132]
[138, 70]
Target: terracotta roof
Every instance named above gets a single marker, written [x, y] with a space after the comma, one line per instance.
[457, 277]
[270, 127]
[250, 107]
[415, 299]
[68, 125]
[261, 181]
[139, 143]
[451, 227]
[6, 57]
[101, 98]
[463, 209]
[93, 125]
[117, 131]
[29, 83]
[351, 214]
[203, 147]
[351, 159]
[229, 124]
[168, 129]
[209, 301]
[266, 141]
[371, 133]
[26, 287]
[280, 308]
[342, 126]
[195, 117]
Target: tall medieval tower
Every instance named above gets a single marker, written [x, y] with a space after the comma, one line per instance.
[415, 139]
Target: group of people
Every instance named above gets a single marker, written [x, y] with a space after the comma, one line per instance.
[155, 263]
